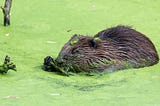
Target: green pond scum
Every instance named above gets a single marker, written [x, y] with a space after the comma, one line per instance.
[35, 22]
[96, 38]
[73, 42]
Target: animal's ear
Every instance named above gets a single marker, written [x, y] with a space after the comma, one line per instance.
[92, 43]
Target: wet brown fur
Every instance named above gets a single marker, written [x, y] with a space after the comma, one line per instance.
[117, 48]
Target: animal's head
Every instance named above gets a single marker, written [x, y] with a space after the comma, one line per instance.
[82, 52]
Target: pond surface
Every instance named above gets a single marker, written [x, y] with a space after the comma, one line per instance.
[41, 28]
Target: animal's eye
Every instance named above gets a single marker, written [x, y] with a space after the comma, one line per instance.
[93, 44]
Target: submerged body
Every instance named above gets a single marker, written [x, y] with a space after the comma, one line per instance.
[110, 50]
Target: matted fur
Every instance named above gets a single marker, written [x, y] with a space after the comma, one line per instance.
[117, 48]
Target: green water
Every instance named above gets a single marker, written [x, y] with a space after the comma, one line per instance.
[40, 28]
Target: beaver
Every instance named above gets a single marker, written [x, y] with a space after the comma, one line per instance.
[112, 49]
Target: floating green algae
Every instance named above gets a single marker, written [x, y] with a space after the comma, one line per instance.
[34, 23]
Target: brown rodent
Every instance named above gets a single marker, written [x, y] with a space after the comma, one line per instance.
[112, 49]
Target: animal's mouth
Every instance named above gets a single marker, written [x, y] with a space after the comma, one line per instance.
[59, 65]
[56, 65]
[62, 62]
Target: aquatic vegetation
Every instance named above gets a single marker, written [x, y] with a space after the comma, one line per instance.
[7, 65]
[36, 22]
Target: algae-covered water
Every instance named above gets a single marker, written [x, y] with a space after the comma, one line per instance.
[40, 28]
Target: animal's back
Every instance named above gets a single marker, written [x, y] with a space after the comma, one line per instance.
[130, 46]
